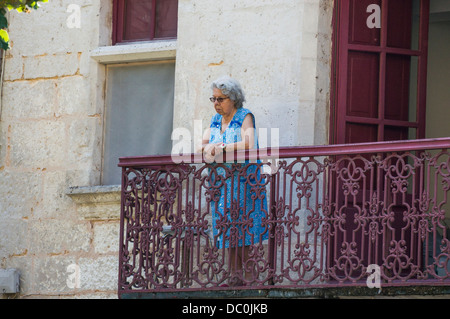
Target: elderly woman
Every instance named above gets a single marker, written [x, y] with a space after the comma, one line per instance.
[241, 208]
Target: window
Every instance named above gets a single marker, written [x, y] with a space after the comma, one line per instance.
[139, 113]
[144, 20]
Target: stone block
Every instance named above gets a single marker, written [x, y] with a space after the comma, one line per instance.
[106, 237]
[51, 276]
[55, 203]
[99, 273]
[14, 239]
[81, 137]
[13, 67]
[52, 32]
[29, 99]
[21, 193]
[58, 236]
[72, 96]
[51, 65]
[38, 144]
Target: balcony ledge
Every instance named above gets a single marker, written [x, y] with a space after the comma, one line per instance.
[422, 292]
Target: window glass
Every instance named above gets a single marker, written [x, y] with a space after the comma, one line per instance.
[139, 114]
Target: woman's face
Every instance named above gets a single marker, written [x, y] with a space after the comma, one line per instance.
[226, 107]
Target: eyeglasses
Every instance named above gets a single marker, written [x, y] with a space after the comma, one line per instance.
[218, 99]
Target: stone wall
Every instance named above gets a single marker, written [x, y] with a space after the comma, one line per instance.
[50, 141]
[55, 219]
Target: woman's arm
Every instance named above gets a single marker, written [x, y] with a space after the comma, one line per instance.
[247, 142]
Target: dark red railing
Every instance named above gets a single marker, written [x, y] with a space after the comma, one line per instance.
[336, 215]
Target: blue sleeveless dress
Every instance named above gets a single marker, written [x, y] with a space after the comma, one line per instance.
[239, 210]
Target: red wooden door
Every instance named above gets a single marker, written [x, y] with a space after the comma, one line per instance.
[379, 95]
[380, 73]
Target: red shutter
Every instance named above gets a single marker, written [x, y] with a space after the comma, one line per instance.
[144, 20]
[166, 19]
[372, 101]
[372, 87]
[137, 20]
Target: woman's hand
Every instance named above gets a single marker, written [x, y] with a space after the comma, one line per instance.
[210, 151]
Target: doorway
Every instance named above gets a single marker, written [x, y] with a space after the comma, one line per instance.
[380, 70]
[390, 82]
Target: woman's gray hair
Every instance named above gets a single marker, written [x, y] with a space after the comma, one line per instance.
[231, 88]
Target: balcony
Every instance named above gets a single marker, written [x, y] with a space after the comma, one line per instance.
[333, 218]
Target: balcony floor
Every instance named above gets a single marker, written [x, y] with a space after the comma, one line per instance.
[423, 292]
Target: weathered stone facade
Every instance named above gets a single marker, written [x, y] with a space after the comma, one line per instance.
[53, 211]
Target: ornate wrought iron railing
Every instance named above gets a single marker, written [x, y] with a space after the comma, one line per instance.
[336, 215]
